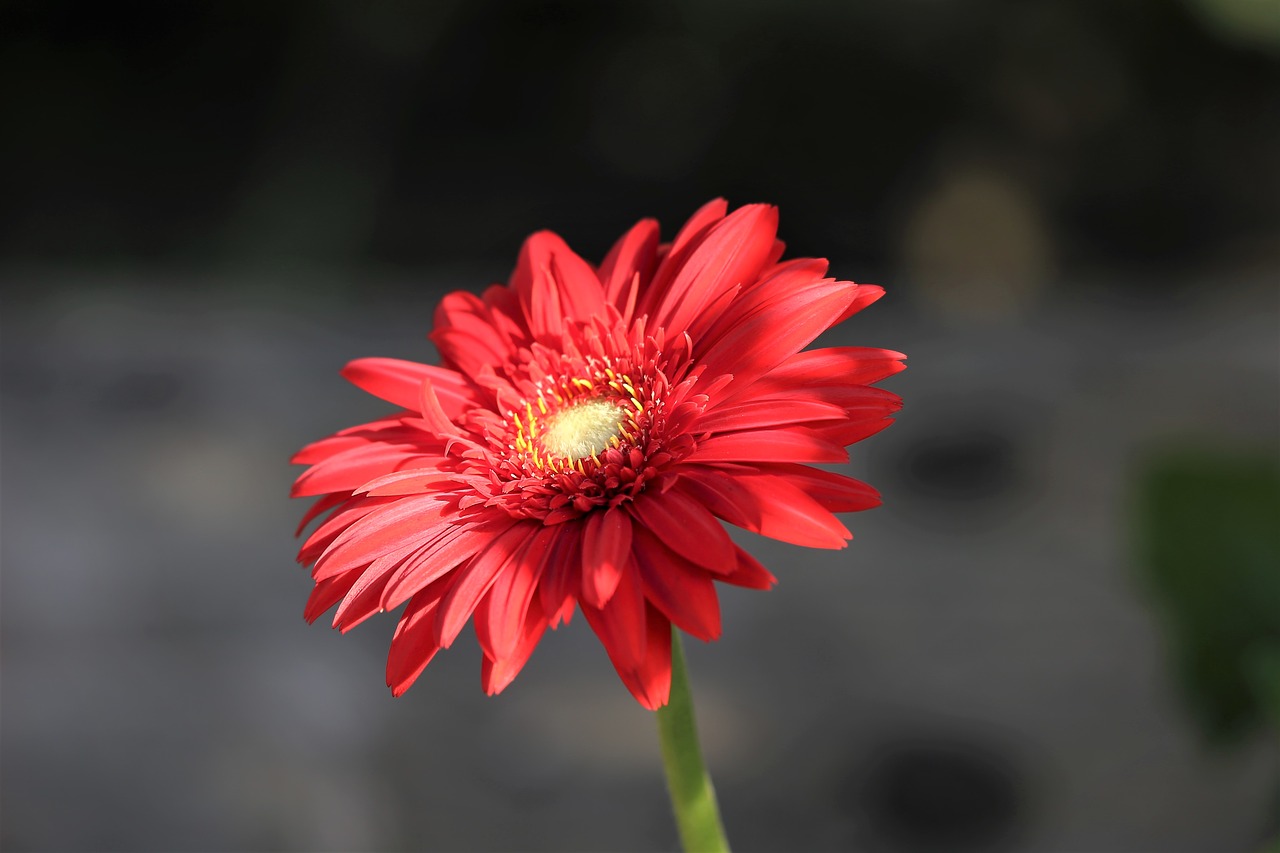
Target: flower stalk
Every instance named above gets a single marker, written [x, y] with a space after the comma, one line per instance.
[693, 798]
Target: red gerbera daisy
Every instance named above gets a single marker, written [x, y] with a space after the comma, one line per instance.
[586, 430]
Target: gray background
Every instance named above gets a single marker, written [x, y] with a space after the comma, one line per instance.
[213, 208]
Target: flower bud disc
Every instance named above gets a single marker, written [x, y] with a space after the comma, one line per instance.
[581, 430]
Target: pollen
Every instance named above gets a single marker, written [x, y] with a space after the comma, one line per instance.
[583, 429]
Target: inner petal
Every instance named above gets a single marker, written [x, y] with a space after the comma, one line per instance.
[581, 430]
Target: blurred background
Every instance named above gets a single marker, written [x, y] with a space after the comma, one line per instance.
[1060, 633]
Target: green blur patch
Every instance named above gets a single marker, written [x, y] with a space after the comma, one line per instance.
[1209, 543]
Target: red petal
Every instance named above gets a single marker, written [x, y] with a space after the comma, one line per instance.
[414, 643]
[577, 285]
[501, 617]
[562, 577]
[319, 508]
[673, 257]
[856, 400]
[779, 330]
[757, 414]
[698, 224]
[385, 529]
[351, 469]
[411, 482]
[770, 506]
[867, 293]
[328, 593]
[773, 284]
[554, 284]
[686, 527]
[606, 547]
[620, 624]
[333, 527]
[469, 334]
[397, 381]
[683, 591]
[497, 673]
[768, 445]
[368, 594]
[361, 601]
[433, 414]
[836, 492]
[476, 577]
[854, 430]
[635, 253]
[650, 682]
[447, 554]
[841, 365]
[750, 573]
[379, 431]
[733, 252]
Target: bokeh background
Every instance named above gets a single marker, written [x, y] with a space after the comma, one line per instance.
[1060, 633]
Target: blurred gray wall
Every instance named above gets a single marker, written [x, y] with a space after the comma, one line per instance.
[210, 208]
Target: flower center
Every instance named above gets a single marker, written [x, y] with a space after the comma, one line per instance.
[576, 425]
[583, 429]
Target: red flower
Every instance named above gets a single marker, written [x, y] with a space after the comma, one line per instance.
[587, 429]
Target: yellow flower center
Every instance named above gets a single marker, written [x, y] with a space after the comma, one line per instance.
[581, 430]
[569, 424]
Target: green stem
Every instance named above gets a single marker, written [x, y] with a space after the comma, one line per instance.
[692, 796]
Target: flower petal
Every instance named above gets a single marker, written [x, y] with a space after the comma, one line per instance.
[335, 525]
[327, 593]
[497, 673]
[351, 469]
[361, 600]
[320, 507]
[434, 417]
[683, 591]
[855, 400]
[779, 330]
[867, 293]
[779, 282]
[501, 618]
[554, 284]
[633, 255]
[397, 381]
[469, 335]
[452, 550]
[768, 445]
[414, 643]
[390, 525]
[504, 553]
[767, 505]
[836, 492]
[854, 430]
[672, 257]
[687, 528]
[414, 481]
[733, 252]
[385, 430]
[606, 547]
[650, 681]
[844, 365]
[561, 579]
[693, 230]
[759, 414]
[620, 624]
[749, 573]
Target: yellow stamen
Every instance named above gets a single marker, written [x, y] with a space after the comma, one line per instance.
[581, 430]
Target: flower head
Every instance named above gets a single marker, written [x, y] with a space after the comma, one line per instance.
[587, 432]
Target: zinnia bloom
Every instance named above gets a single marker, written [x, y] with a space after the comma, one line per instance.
[588, 430]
